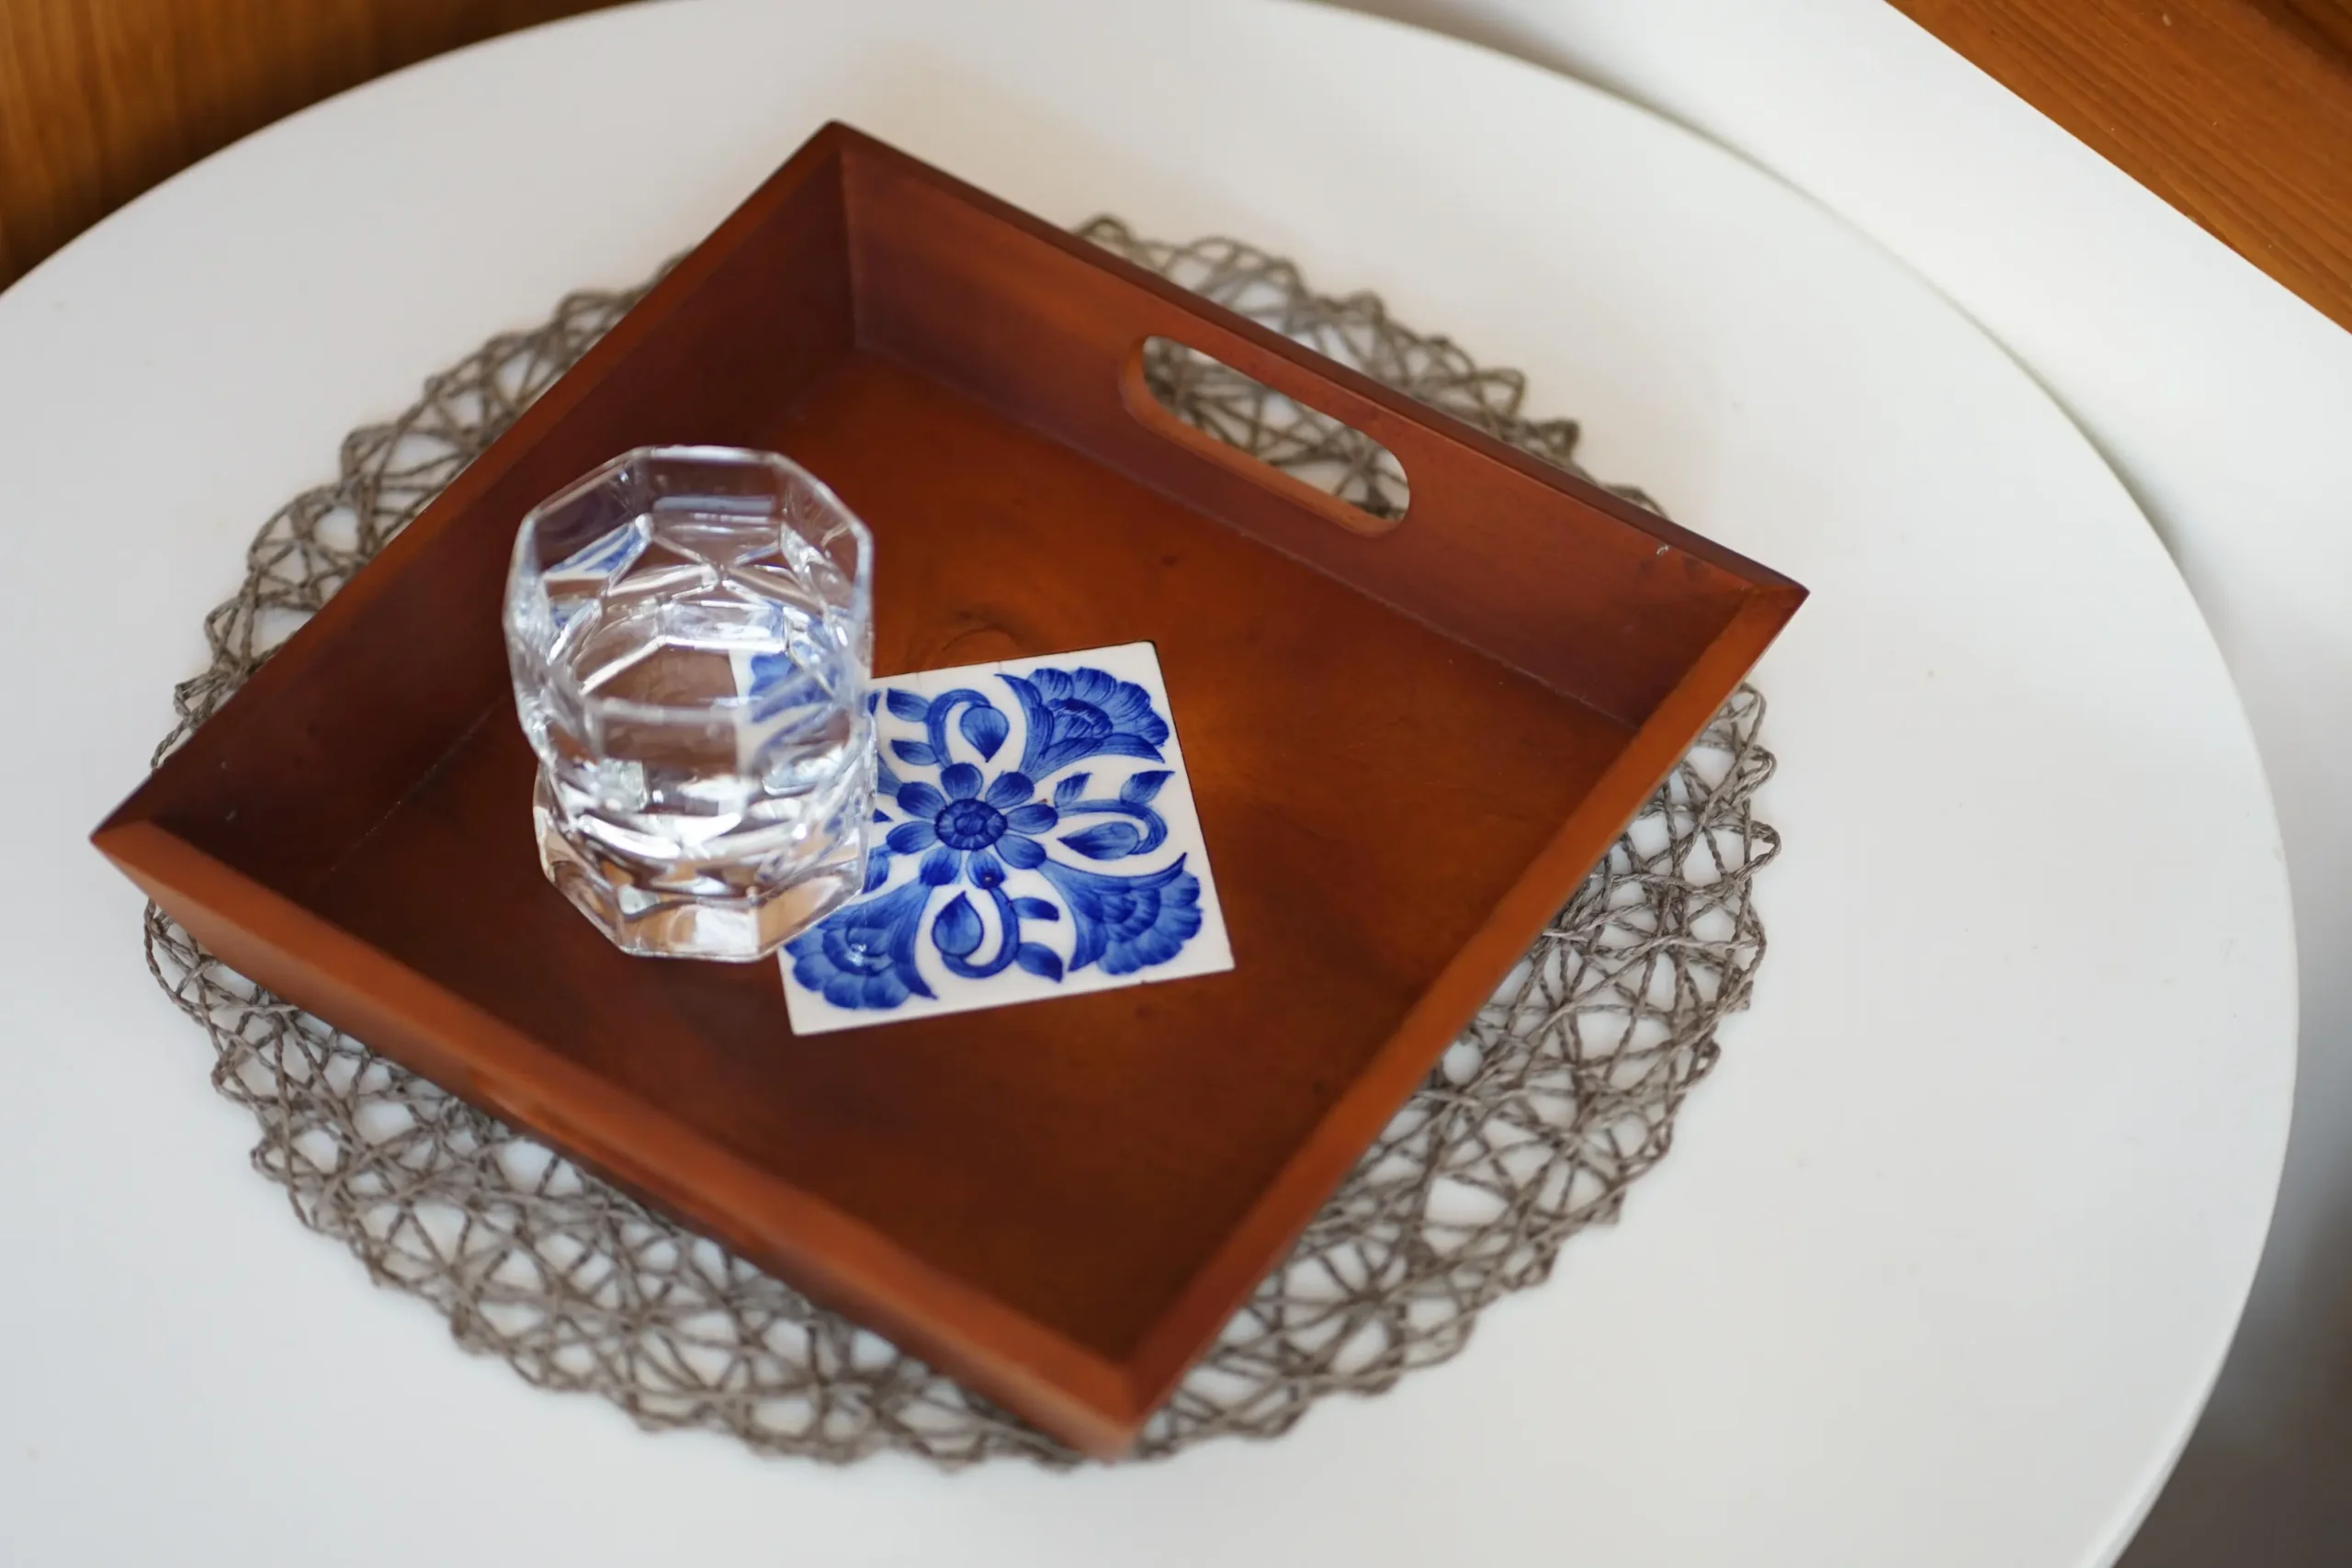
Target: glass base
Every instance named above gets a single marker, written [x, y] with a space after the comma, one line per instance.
[732, 924]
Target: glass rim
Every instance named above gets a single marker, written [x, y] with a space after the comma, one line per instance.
[859, 607]
[711, 453]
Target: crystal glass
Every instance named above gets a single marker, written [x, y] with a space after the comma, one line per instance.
[690, 630]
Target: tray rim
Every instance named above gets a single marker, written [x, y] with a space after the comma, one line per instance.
[1387, 400]
[1095, 1402]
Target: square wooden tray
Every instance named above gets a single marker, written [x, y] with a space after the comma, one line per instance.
[1407, 747]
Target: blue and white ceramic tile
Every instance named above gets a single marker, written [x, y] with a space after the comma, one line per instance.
[1034, 837]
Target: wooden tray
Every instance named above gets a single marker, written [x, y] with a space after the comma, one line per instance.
[1407, 747]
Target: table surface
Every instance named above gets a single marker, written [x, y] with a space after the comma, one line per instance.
[1950, 1244]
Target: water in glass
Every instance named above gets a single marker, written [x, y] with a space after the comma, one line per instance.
[690, 632]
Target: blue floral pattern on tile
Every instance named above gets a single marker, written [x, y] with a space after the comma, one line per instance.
[864, 956]
[970, 818]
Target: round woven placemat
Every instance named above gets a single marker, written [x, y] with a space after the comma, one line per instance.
[1532, 1126]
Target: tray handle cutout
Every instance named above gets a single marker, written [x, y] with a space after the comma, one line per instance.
[1279, 439]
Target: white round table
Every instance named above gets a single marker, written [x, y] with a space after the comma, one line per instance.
[1950, 1244]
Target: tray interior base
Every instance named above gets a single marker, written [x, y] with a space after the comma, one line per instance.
[1083, 1174]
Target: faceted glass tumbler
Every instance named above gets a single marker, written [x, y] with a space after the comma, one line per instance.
[690, 630]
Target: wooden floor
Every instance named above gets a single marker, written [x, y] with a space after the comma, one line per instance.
[2238, 112]
[100, 99]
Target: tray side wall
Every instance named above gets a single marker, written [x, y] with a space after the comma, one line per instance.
[830, 1255]
[1273, 1226]
[1518, 561]
[401, 664]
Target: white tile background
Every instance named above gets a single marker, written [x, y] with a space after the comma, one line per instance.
[1206, 952]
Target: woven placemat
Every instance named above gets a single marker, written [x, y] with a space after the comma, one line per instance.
[1532, 1126]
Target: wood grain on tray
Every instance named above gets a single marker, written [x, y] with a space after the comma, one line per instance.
[1407, 751]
